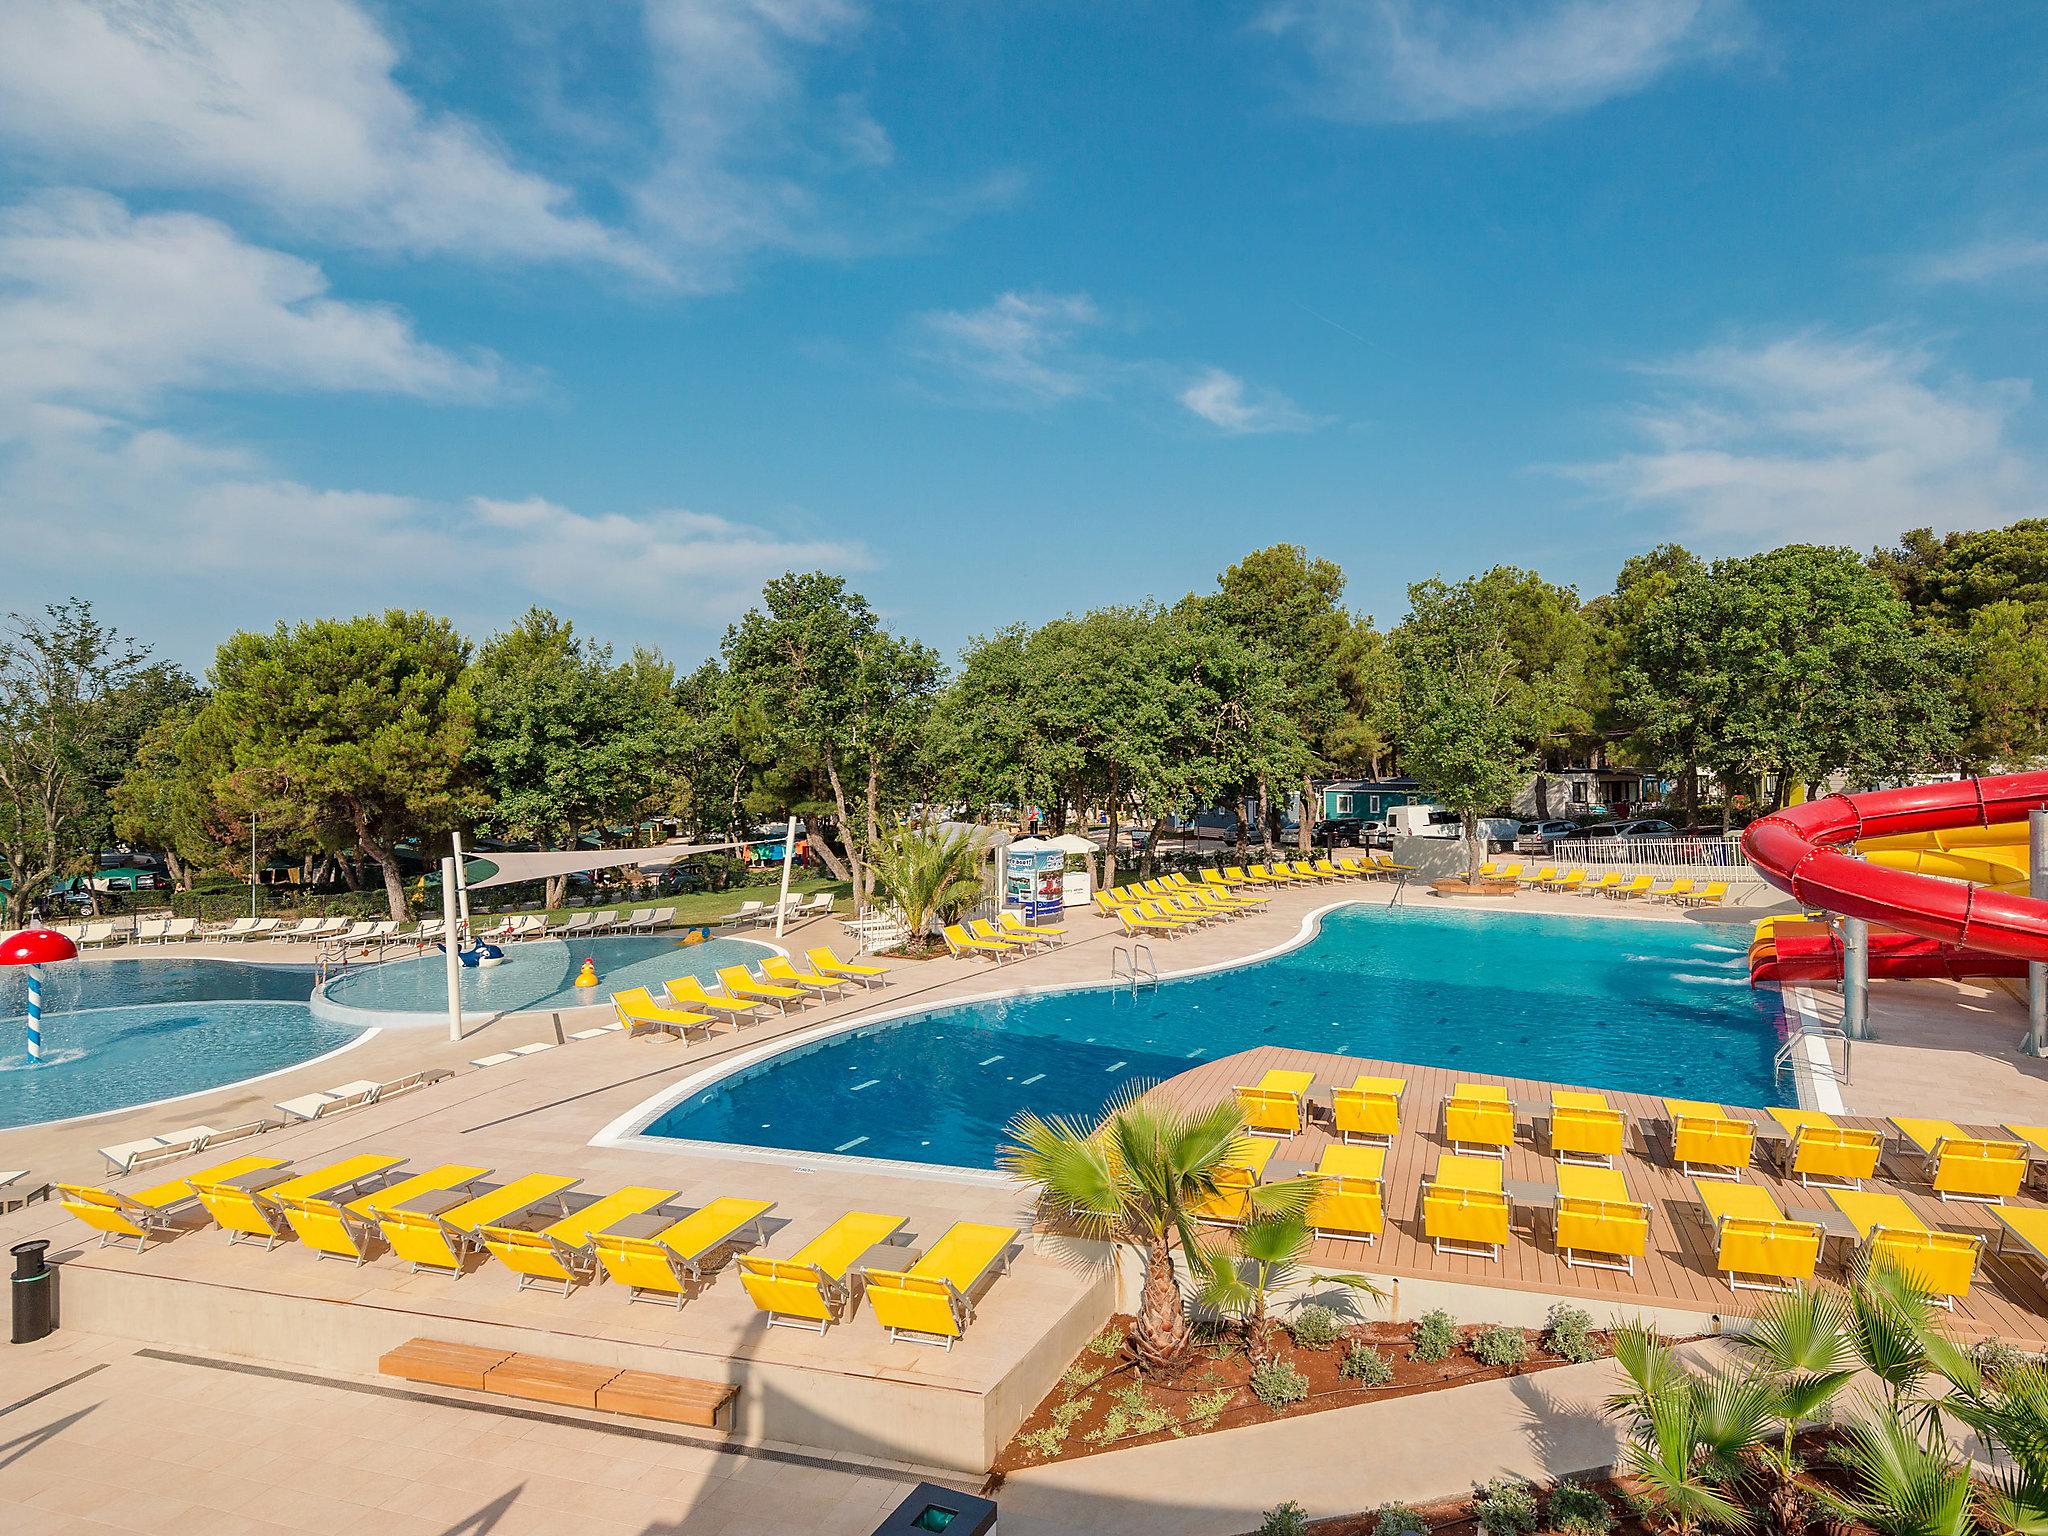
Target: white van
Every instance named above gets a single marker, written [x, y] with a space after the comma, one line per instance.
[1424, 820]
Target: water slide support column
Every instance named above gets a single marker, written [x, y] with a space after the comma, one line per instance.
[2036, 1043]
[448, 946]
[1855, 978]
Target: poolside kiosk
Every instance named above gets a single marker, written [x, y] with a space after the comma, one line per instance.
[36, 948]
[1034, 878]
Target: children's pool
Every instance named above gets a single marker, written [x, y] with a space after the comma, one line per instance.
[1603, 1003]
[123, 1032]
[537, 974]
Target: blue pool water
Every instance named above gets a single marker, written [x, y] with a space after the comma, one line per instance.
[122, 1032]
[1637, 1007]
[537, 974]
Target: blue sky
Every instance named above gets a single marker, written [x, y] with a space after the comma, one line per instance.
[999, 310]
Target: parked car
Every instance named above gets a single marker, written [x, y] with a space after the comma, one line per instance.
[1537, 836]
[1345, 833]
[1646, 829]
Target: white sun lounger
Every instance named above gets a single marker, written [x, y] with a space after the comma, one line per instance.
[749, 912]
[181, 928]
[17, 1188]
[92, 935]
[640, 920]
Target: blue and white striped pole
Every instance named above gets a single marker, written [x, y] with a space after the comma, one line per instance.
[35, 1013]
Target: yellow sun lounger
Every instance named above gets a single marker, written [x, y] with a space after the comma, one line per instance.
[1465, 1208]
[1597, 1217]
[741, 982]
[784, 973]
[1540, 877]
[1369, 1110]
[669, 1264]
[1571, 880]
[1677, 890]
[1135, 923]
[1706, 1141]
[811, 1287]
[337, 1231]
[1229, 880]
[1013, 922]
[1964, 1167]
[1275, 1105]
[1606, 882]
[638, 1011]
[1939, 1264]
[932, 1302]
[1823, 1152]
[560, 1253]
[997, 950]
[1584, 1128]
[1755, 1245]
[690, 993]
[1267, 874]
[1712, 894]
[1629, 889]
[1231, 1202]
[137, 1217]
[249, 1210]
[829, 964]
[1351, 1194]
[442, 1241]
[1479, 1119]
[2029, 1225]
[982, 928]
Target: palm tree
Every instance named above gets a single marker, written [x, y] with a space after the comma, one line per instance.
[1899, 1486]
[1798, 1347]
[927, 873]
[1128, 1179]
[1890, 1325]
[2011, 1413]
[1689, 1435]
[1239, 1273]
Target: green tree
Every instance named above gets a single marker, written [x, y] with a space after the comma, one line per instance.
[1794, 664]
[1949, 578]
[1898, 1485]
[1689, 1437]
[1287, 606]
[1469, 715]
[565, 741]
[1128, 1178]
[844, 701]
[352, 732]
[63, 725]
[1798, 1346]
[929, 874]
[2004, 686]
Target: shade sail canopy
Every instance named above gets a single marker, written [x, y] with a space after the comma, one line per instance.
[478, 872]
[1073, 842]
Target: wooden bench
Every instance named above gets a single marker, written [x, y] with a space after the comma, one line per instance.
[604, 1388]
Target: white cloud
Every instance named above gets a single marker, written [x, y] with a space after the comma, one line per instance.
[102, 307]
[1985, 260]
[210, 538]
[1222, 399]
[293, 106]
[1400, 61]
[1022, 345]
[1029, 350]
[1813, 437]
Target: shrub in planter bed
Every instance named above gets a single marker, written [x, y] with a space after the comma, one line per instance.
[1436, 1337]
[1569, 1334]
[1505, 1507]
[1498, 1346]
[1576, 1510]
[1289, 1519]
[1276, 1383]
[1366, 1366]
[1399, 1520]
[1314, 1327]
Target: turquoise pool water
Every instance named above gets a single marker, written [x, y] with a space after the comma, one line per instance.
[537, 974]
[1638, 1007]
[122, 1032]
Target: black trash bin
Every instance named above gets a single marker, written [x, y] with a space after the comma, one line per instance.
[34, 1292]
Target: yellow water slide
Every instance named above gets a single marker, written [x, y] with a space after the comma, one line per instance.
[1990, 856]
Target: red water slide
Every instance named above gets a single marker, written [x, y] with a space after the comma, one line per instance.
[1973, 930]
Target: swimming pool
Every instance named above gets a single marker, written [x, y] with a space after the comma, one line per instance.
[1633, 1006]
[538, 974]
[123, 1032]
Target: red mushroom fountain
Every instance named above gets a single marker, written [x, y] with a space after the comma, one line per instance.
[36, 948]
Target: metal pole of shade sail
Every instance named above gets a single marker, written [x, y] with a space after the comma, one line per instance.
[449, 941]
[2037, 972]
[1855, 978]
[461, 880]
[788, 858]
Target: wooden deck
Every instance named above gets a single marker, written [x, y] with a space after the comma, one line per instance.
[2008, 1297]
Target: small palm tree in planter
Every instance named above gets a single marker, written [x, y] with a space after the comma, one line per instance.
[1128, 1178]
[1799, 1346]
[1238, 1274]
[1690, 1437]
[927, 874]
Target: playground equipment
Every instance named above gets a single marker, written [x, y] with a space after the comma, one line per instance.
[1942, 880]
[36, 948]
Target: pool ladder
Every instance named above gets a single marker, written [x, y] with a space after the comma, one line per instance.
[1793, 1046]
[1133, 963]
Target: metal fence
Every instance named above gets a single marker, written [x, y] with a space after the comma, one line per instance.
[1682, 852]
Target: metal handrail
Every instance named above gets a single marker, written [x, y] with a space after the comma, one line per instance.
[1789, 1047]
[1134, 963]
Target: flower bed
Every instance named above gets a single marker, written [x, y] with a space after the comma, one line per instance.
[1102, 1404]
